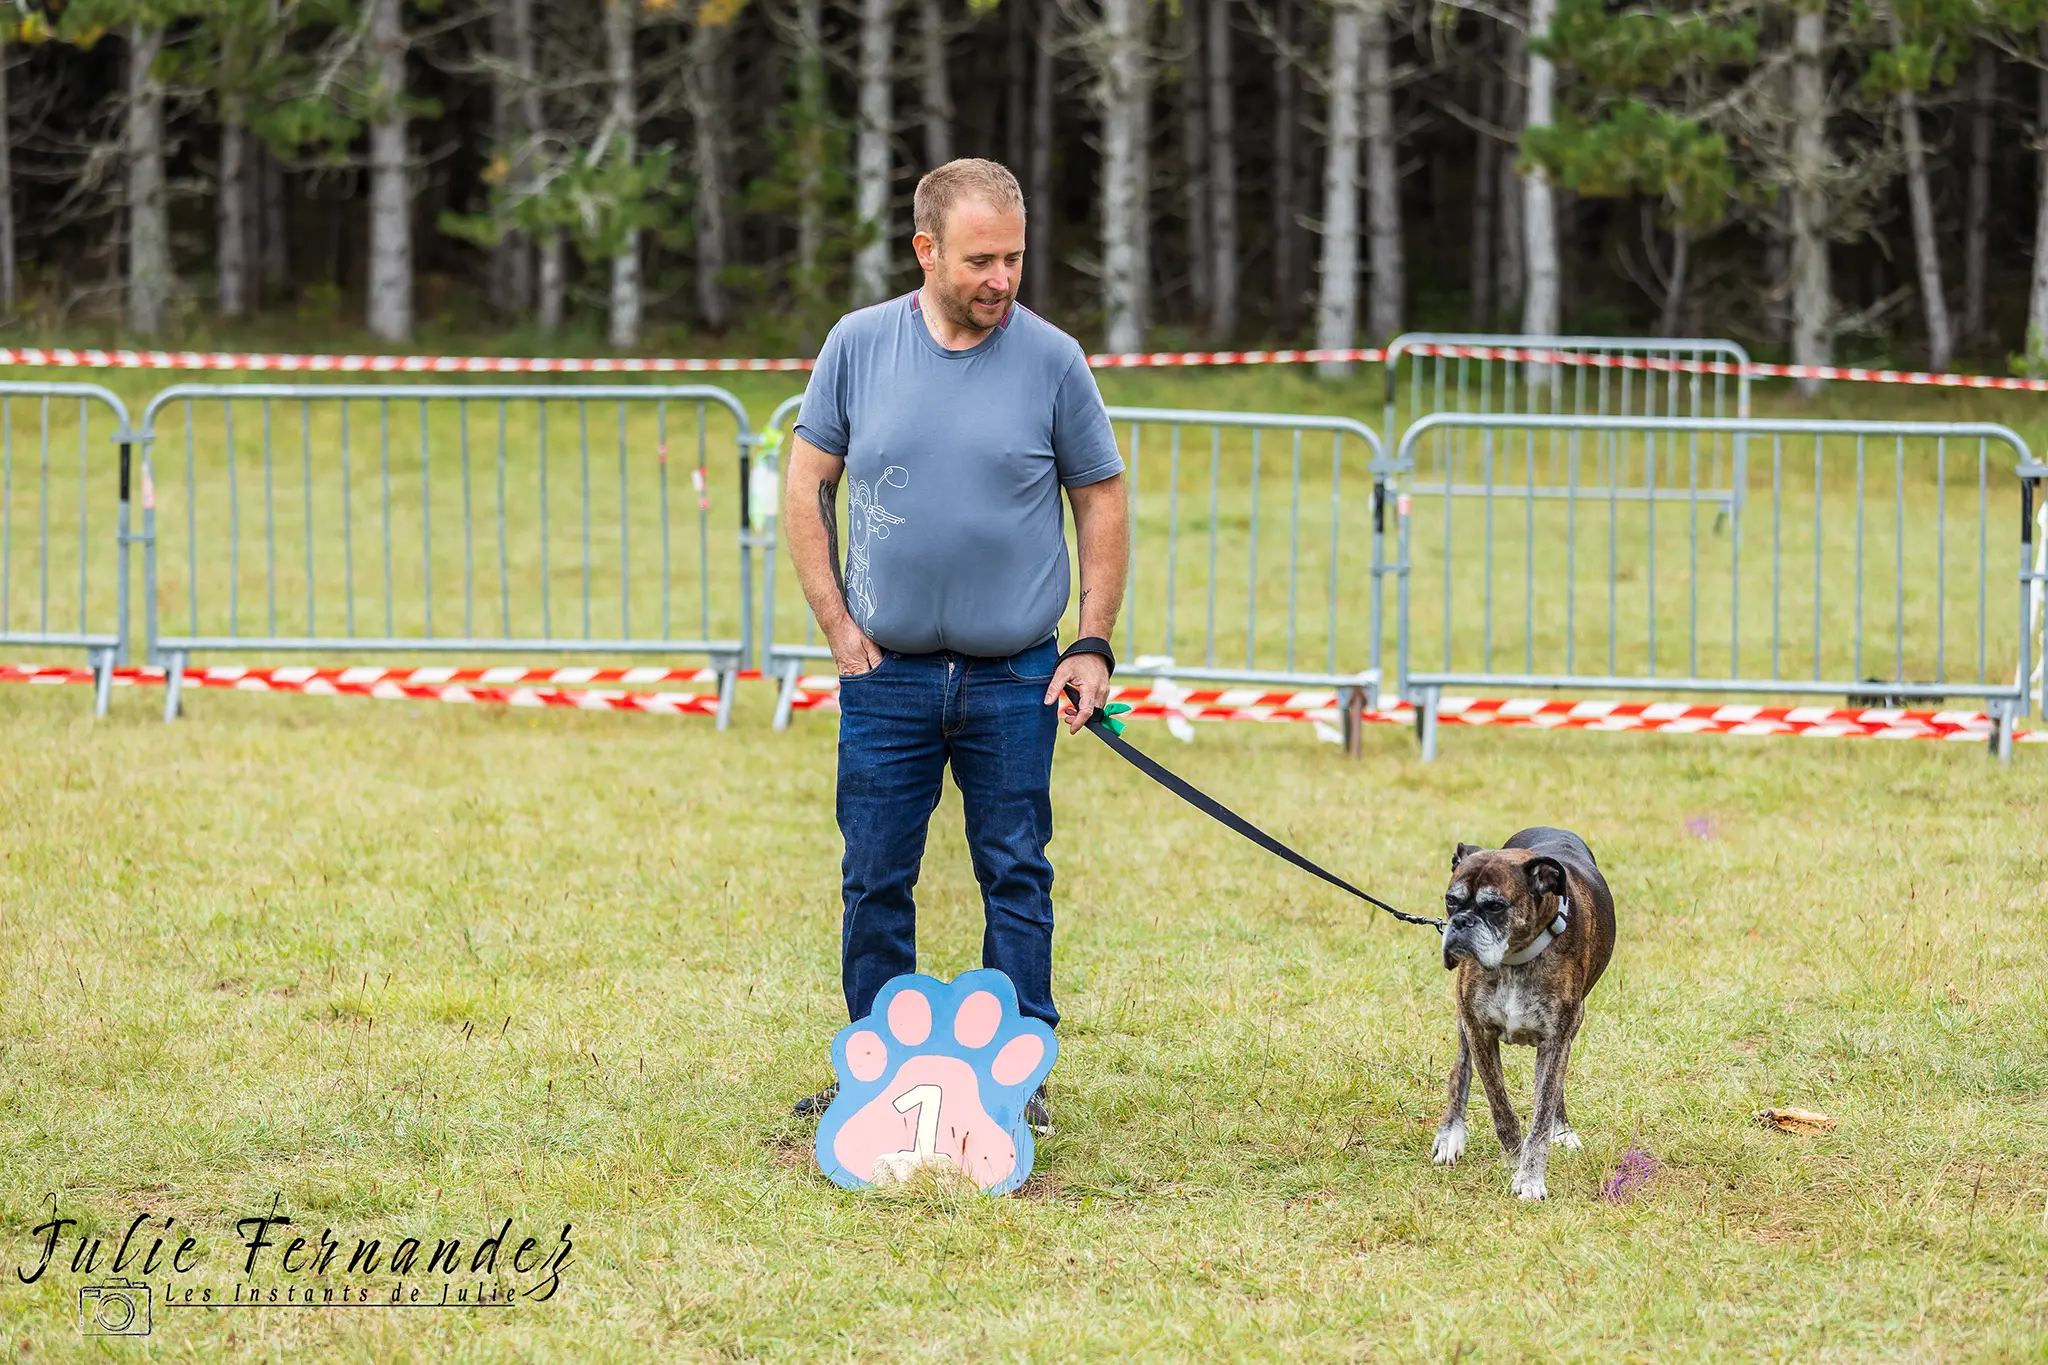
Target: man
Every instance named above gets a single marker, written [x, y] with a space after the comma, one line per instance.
[957, 416]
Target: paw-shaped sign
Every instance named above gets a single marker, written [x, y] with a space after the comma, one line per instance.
[938, 1074]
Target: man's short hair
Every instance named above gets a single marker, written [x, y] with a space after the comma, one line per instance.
[968, 178]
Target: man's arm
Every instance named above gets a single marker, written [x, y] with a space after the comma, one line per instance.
[1102, 528]
[810, 523]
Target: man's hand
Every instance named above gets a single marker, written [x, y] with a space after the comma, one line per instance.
[1088, 674]
[853, 652]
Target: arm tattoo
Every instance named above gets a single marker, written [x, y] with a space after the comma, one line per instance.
[828, 513]
[1084, 604]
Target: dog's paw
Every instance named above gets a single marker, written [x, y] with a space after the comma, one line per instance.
[936, 1076]
[1529, 1185]
[1449, 1144]
[1567, 1139]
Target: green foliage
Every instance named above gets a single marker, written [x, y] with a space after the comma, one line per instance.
[250, 54]
[1626, 122]
[598, 200]
[1634, 148]
[1643, 49]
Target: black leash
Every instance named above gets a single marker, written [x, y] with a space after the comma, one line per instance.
[1223, 815]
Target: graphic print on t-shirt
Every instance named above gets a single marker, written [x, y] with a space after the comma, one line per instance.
[866, 521]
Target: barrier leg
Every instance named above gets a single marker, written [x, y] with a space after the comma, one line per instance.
[1425, 722]
[102, 681]
[728, 678]
[785, 693]
[1353, 702]
[174, 683]
[2001, 735]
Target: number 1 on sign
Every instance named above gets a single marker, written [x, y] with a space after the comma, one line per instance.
[925, 1100]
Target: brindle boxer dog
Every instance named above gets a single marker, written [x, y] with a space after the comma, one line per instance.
[1531, 926]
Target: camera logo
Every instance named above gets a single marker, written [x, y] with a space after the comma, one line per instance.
[118, 1308]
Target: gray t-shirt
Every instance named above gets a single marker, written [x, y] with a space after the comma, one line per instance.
[954, 464]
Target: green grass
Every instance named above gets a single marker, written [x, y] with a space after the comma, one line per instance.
[417, 969]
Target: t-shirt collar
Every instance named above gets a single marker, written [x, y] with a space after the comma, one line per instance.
[924, 331]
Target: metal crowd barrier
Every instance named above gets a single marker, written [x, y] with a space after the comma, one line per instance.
[402, 518]
[1250, 533]
[64, 523]
[1433, 372]
[1865, 561]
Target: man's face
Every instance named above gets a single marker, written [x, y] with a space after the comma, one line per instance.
[973, 271]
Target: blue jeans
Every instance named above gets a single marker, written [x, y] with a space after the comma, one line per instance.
[900, 724]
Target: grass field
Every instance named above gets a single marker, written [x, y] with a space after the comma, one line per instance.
[415, 970]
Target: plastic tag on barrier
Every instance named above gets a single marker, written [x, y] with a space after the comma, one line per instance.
[934, 1081]
[764, 487]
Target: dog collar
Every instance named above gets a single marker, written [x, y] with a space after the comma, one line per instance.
[1543, 940]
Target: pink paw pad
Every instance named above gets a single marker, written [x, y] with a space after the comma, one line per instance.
[936, 1076]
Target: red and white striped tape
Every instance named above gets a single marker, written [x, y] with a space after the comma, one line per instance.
[820, 692]
[543, 688]
[1754, 369]
[382, 364]
[1652, 717]
[62, 358]
[393, 685]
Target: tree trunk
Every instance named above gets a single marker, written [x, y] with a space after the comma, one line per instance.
[1016, 73]
[1778, 286]
[810, 151]
[1671, 316]
[232, 217]
[1485, 190]
[1977, 205]
[1194, 156]
[622, 326]
[2037, 296]
[149, 229]
[1812, 295]
[1222, 178]
[1510, 279]
[1540, 301]
[511, 258]
[1337, 296]
[550, 285]
[1121, 94]
[1386, 303]
[871, 153]
[10, 291]
[273, 246]
[390, 302]
[1286, 289]
[937, 97]
[1042, 212]
[1926, 246]
[710, 103]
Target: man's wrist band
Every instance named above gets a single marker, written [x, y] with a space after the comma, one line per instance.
[1090, 644]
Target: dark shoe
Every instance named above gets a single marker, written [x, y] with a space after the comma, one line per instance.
[1038, 1114]
[814, 1106]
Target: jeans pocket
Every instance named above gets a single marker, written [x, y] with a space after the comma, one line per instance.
[868, 673]
[1036, 664]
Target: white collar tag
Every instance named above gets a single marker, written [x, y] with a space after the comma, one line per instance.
[1543, 940]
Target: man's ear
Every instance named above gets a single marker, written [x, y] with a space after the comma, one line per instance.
[1545, 876]
[1464, 851]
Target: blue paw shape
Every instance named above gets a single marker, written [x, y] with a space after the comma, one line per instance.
[937, 1075]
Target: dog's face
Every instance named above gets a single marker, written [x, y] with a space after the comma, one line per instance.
[1495, 900]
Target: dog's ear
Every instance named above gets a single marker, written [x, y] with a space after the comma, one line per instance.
[1545, 876]
[1464, 851]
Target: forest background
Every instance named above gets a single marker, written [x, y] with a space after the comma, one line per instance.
[1822, 181]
